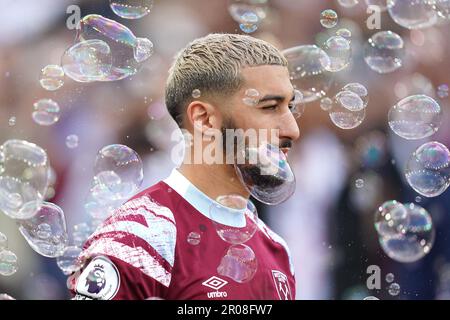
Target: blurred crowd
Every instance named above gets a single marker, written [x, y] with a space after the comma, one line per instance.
[328, 223]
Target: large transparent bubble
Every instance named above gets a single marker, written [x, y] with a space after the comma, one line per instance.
[384, 52]
[46, 230]
[266, 174]
[128, 52]
[24, 177]
[339, 51]
[88, 61]
[412, 14]
[428, 169]
[239, 264]
[308, 67]
[415, 117]
[118, 173]
[347, 111]
[414, 240]
[235, 218]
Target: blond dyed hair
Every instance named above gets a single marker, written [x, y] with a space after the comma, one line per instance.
[212, 64]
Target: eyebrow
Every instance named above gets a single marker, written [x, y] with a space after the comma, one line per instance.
[275, 97]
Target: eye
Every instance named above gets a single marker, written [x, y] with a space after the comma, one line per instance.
[273, 107]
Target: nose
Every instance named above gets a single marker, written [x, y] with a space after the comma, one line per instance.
[289, 128]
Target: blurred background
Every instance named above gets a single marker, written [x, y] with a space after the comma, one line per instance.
[343, 176]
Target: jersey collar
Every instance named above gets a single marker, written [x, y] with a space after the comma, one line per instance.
[202, 203]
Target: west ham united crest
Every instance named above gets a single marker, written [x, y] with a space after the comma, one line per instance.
[282, 285]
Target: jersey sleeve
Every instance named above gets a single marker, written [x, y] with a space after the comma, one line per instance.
[130, 256]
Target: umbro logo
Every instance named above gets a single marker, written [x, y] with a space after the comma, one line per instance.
[215, 283]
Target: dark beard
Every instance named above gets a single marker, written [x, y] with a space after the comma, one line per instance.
[251, 174]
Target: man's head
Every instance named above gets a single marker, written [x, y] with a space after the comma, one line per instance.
[222, 69]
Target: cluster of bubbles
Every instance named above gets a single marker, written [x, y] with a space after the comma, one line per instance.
[415, 117]
[104, 50]
[393, 287]
[118, 174]
[347, 109]
[8, 260]
[25, 178]
[428, 169]
[405, 231]
[248, 13]
[235, 219]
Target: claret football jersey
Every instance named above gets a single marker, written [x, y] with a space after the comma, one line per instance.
[163, 244]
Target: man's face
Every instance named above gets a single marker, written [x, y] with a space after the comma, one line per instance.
[272, 108]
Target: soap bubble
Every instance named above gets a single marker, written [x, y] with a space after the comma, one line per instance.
[72, 141]
[52, 77]
[266, 174]
[415, 117]
[394, 289]
[12, 121]
[344, 33]
[442, 91]
[46, 231]
[196, 93]
[251, 97]
[87, 61]
[68, 262]
[308, 67]
[3, 241]
[442, 8]
[326, 104]
[428, 169]
[391, 218]
[412, 239]
[241, 10]
[358, 89]
[389, 277]
[339, 51]
[250, 23]
[348, 110]
[124, 46]
[81, 233]
[8, 263]
[118, 172]
[235, 218]
[131, 9]
[24, 176]
[46, 112]
[328, 18]
[384, 52]
[194, 238]
[348, 3]
[412, 14]
[239, 264]
[371, 298]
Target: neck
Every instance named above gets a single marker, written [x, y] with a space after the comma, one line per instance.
[214, 179]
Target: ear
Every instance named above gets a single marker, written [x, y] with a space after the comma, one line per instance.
[203, 116]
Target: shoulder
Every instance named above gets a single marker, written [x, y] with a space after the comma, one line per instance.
[141, 234]
[278, 239]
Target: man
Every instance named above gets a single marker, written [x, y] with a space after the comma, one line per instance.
[163, 242]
